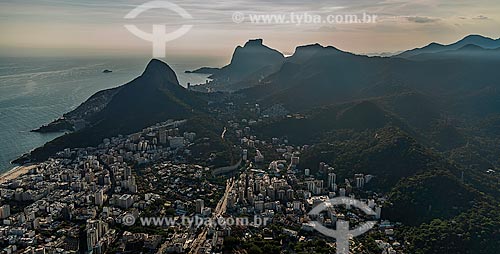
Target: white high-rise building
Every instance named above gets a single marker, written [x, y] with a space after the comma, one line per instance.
[319, 184]
[289, 194]
[378, 211]
[245, 154]
[259, 206]
[332, 179]
[311, 185]
[128, 172]
[163, 136]
[4, 211]
[99, 197]
[360, 180]
[200, 204]
[96, 230]
[125, 201]
[297, 205]
[258, 186]
[371, 203]
[318, 190]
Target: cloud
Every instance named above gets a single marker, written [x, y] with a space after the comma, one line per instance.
[84, 23]
[327, 29]
[421, 20]
[481, 17]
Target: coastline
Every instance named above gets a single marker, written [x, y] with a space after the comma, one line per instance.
[87, 80]
[16, 172]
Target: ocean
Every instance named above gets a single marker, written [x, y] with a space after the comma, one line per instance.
[35, 91]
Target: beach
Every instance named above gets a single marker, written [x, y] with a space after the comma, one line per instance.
[15, 172]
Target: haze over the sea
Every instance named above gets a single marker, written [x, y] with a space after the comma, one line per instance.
[35, 91]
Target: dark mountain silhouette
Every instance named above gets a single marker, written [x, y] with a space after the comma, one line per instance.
[306, 52]
[470, 51]
[252, 62]
[316, 76]
[323, 75]
[153, 97]
[317, 65]
[478, 40]
[253, 58]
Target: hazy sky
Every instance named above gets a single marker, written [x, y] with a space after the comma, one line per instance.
[73, 27]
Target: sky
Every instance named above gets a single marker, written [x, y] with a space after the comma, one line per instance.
[96, 27]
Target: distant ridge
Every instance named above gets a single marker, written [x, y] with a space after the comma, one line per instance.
[470, 51]
[478, 40]
[306, 52]
[255, 64]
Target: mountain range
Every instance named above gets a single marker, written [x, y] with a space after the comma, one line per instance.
[430, 92]
[424, 122]
[476, 40]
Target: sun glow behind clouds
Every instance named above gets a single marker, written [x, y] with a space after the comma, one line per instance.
[80, 27]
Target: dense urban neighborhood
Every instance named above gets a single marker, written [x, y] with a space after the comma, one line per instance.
[80, 200]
